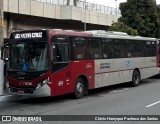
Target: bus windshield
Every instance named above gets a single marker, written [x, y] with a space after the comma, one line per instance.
[29, 56]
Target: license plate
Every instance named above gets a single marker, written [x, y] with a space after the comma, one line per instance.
[20, 91]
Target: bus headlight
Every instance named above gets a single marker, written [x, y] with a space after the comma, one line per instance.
[45, 81]
[42, 83]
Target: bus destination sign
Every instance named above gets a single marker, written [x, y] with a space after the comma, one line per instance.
[28, 35]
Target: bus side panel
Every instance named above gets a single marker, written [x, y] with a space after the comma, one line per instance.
[139, 63]
[61, 81]
[122, 70]
[103, 72]
[146, 65]
[151, 64]
[83, 68]
[115, 71]
[112, 71]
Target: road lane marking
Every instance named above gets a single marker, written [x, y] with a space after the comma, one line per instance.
[150, 105]
[115, 91]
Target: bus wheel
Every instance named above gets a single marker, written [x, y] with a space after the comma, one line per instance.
[136, 77]
[79, 88]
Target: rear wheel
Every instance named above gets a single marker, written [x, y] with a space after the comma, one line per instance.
[136, 77]
[79, 88]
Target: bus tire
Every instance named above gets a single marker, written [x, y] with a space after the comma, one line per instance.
[136, 77]
[79, 88]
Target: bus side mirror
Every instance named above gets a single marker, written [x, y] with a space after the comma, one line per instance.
[4, 52]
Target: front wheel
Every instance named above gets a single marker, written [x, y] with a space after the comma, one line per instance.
[79, 88]
[136, 77]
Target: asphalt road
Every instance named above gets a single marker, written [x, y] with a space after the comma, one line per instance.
[114, 100]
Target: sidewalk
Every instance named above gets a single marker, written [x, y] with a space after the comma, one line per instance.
[9, 97]
[6, 97]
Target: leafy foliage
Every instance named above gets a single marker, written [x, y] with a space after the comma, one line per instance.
[141, 15]
[120, 26]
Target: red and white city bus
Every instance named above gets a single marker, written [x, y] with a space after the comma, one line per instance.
[56, 62]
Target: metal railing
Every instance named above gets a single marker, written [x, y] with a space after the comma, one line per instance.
[86, 6]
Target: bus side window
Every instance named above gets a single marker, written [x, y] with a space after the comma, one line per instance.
[129, 48]
[60, 52]
[105, 48]
[79, 48]
[139, 48]
[150, 49]
[94, 48]
[120, 49]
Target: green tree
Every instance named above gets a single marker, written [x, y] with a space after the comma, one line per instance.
[158, 11]
[120, 26]
[141, 15]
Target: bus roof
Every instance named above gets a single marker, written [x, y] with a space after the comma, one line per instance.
[117, 35]
[91, 33]
[70, 32]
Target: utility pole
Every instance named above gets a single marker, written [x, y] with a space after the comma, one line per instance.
[1, 22]
[1, 43]
[85, 25]
[116, 8]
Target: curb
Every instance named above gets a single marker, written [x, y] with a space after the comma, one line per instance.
[11, 98]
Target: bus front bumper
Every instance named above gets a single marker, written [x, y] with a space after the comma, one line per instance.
[41, 92]
[158, 70]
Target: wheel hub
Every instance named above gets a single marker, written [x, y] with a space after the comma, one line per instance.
[136, 79]
[79, 88]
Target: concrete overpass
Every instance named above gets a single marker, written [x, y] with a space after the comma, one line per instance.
[36, 14]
